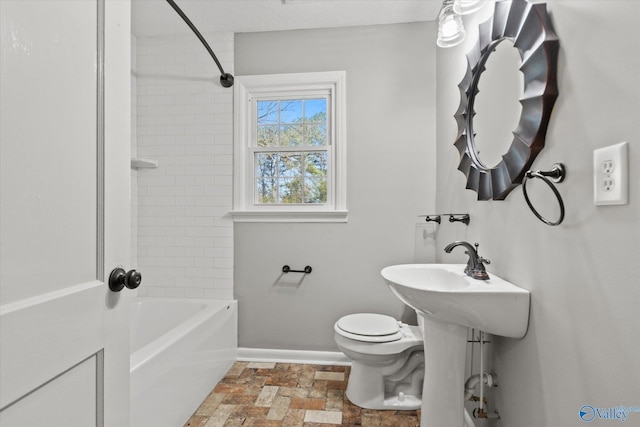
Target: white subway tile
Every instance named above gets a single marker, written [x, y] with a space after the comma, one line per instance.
[186, 241]
[167, 241]
[154, 291]
[175, 292]
[219, 252]
[187, 125]
[221, 231]
[225, 294]
[186, 181]
[223, 118]
[204, 262]
[204, 242]
[195, 293]
[166, 221]
[185, 221]
[223, 263]
[224, 160]
[223, 283]
[204, 221]
[222, 242]
[194, 252]
[194, 272]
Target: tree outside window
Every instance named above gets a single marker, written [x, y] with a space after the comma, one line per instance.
[295, 172]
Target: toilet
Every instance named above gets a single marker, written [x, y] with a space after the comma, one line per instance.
[387, 357]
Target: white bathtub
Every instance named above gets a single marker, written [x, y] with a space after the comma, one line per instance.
[180, 349]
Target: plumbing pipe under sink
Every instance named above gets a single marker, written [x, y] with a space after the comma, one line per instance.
[468, 421]
[474, 380]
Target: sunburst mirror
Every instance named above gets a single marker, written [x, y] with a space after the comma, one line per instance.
[528, 27]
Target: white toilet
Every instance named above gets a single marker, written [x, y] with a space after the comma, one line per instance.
[387, 361]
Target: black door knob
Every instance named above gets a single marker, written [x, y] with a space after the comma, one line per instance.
[119, 279]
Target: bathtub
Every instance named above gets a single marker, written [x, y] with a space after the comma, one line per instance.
[180, 349]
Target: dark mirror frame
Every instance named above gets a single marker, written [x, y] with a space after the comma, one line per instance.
[529, 28]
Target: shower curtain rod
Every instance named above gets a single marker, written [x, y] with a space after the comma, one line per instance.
[226, 79]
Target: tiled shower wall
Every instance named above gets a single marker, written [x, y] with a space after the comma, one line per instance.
[185, 122]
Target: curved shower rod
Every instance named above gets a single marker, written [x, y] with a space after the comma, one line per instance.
[226, 79]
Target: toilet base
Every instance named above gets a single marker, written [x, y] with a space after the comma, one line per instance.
[364, 389]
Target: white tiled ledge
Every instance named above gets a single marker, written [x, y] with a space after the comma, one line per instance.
[137, 163]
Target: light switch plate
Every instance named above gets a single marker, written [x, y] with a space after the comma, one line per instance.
[611, 175]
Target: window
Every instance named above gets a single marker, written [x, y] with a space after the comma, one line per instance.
[283, 176]
[290, 148]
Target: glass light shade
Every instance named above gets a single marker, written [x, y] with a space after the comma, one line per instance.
[465, 7]
[450, 28]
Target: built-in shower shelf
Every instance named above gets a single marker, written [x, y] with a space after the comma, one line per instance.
[137, 163]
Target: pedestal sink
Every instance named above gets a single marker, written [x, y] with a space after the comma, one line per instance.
[449, 302]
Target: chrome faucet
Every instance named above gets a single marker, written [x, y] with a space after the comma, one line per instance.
[475, 265]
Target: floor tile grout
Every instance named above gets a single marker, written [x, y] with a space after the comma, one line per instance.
[289, 395]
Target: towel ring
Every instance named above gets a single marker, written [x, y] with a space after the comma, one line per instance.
[556, 174]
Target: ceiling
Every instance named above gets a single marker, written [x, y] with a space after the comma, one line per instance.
[156, 17]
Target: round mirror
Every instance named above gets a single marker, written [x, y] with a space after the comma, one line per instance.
[497, 104]
[502, 130]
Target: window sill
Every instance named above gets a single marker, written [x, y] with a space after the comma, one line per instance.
[289, 216]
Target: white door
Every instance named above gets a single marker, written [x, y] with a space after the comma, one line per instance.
[64, 212]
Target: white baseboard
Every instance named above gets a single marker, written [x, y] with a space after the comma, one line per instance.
[246, 354]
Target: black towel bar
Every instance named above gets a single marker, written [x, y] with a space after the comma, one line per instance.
[287, 269]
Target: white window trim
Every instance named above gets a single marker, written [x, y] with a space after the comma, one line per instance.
[248, 87]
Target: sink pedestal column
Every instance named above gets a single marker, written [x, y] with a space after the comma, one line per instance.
[445, 347]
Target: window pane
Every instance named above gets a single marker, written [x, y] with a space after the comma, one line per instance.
[266, 177]
[291, 178]
[291, 111]
[267, 135]
[291, 190]
[267, 112]
[315, 110]
[316, 164]
[315, 134]
[315, 180]
[292, 122]
[290, 165]
[290, 135]
[315, 190]
[266, 190]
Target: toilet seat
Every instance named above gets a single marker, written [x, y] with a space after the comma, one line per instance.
[369, 327]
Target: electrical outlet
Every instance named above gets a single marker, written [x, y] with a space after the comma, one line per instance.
[611, 175]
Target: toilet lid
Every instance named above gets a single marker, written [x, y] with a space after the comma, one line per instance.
[370, 327]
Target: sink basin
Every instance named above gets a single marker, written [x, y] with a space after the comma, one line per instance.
[449, 302]
[443, 292]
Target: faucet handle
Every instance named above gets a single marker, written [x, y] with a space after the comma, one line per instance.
[479, 258]
[480, 272]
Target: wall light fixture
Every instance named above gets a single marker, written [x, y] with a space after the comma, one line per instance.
[450, 28]
[466, 7]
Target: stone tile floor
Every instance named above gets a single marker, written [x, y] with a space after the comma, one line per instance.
[288, 395]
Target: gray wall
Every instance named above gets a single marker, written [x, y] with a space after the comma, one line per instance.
[583, 341]
[391, 179]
